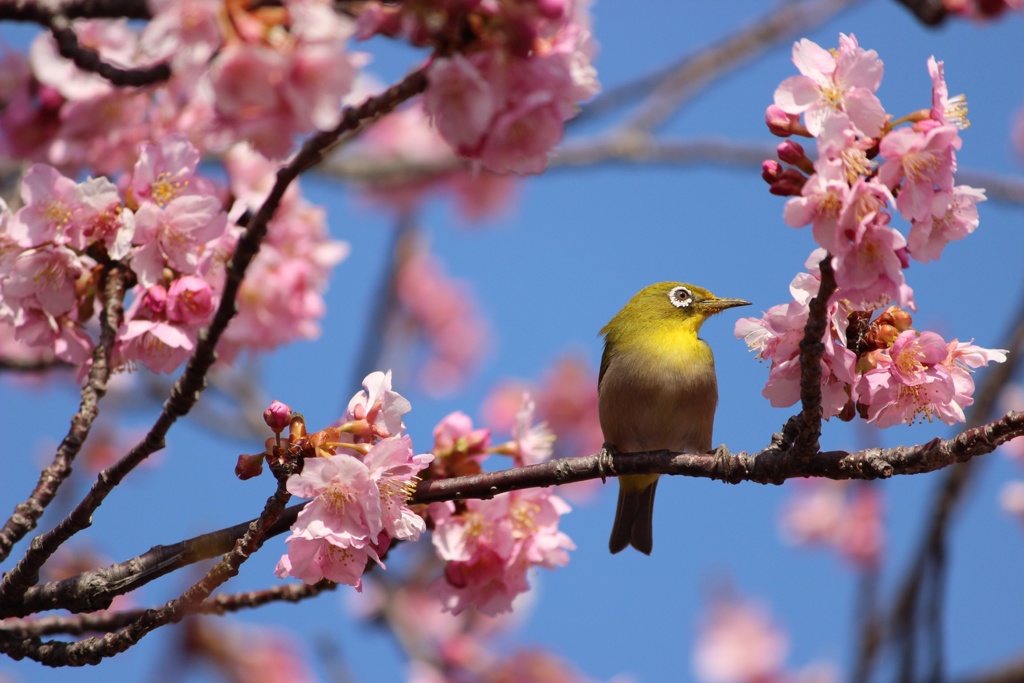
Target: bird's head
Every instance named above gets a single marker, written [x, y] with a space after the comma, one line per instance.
[670, 303]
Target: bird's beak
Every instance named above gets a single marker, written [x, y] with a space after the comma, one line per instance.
[716, 305]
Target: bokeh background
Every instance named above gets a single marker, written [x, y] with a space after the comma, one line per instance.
[569, 249]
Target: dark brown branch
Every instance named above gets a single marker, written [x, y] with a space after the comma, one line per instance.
[812, 348]
[88, 59]
[26, 515]
[187, 389]
[773, 465]
[44, 12]
[931, 13]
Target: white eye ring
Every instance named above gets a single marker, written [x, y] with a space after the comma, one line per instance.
[680, 297]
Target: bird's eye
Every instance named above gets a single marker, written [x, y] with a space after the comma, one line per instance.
[680, 297]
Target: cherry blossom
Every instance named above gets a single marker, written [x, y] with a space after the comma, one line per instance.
[830, 84]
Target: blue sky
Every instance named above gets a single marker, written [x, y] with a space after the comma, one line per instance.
[548, 274]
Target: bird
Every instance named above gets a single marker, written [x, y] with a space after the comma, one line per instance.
[657, 390]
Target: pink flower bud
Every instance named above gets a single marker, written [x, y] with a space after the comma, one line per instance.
[190, 301]
[779, 122]
[791, 152]
[277, 416]
[771, 170]
[789, 183]
[155, 299]
[249, 466]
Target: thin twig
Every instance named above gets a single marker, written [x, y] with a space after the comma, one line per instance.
[812, 348]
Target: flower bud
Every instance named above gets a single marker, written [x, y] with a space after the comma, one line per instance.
[771, 170]
[791, 152]
[897, 317]
[249, 466]
[779, 122]
[789, 183]
[277, 416]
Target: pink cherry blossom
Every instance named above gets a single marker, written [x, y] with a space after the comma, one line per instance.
[277, 416]
[63, 336]
[923, 158]
[345, 500]
[490, 546]
[167, 170]
[311, 558]
[379, 405]
[869, 269]
[160, 346]
[394, 471]
[190, 301]
[51, 201]
[454, 436]
[281, 299]
[443, 312]
[946, 109]
[44, 278]
[533, 442]
[174, 236]
[739, 642]
[962, 360]
[831, 84]
[776, 337]
[958, 219]
[908, 381]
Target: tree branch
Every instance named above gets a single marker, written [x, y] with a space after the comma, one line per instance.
[88, 59]
[44, 12]
[773, 465]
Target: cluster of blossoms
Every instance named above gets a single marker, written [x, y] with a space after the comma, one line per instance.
[457, 648]
[266, 74]
[740, 642]
[406, 139]
[838, 515]
[361, 474]
[360, 477]
[489, 546]
[166, 225]
[884, 368]
[261, 74]
[444, 316]
[504, 97]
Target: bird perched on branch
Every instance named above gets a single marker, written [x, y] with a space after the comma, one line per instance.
[657, 390]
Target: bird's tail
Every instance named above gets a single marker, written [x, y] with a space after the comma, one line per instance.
[634, 517]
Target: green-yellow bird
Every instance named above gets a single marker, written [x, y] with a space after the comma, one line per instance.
[657, 390]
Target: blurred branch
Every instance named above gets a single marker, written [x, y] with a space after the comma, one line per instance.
[26, 515]
[925, 569]
[44, 12]
[680, 82]
[773, 465]
[931, 13]
[627, 147]
[1011, 672]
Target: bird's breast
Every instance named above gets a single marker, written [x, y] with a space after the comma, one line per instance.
[659, 394]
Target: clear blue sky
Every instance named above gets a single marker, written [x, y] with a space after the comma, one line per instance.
[548, 275]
